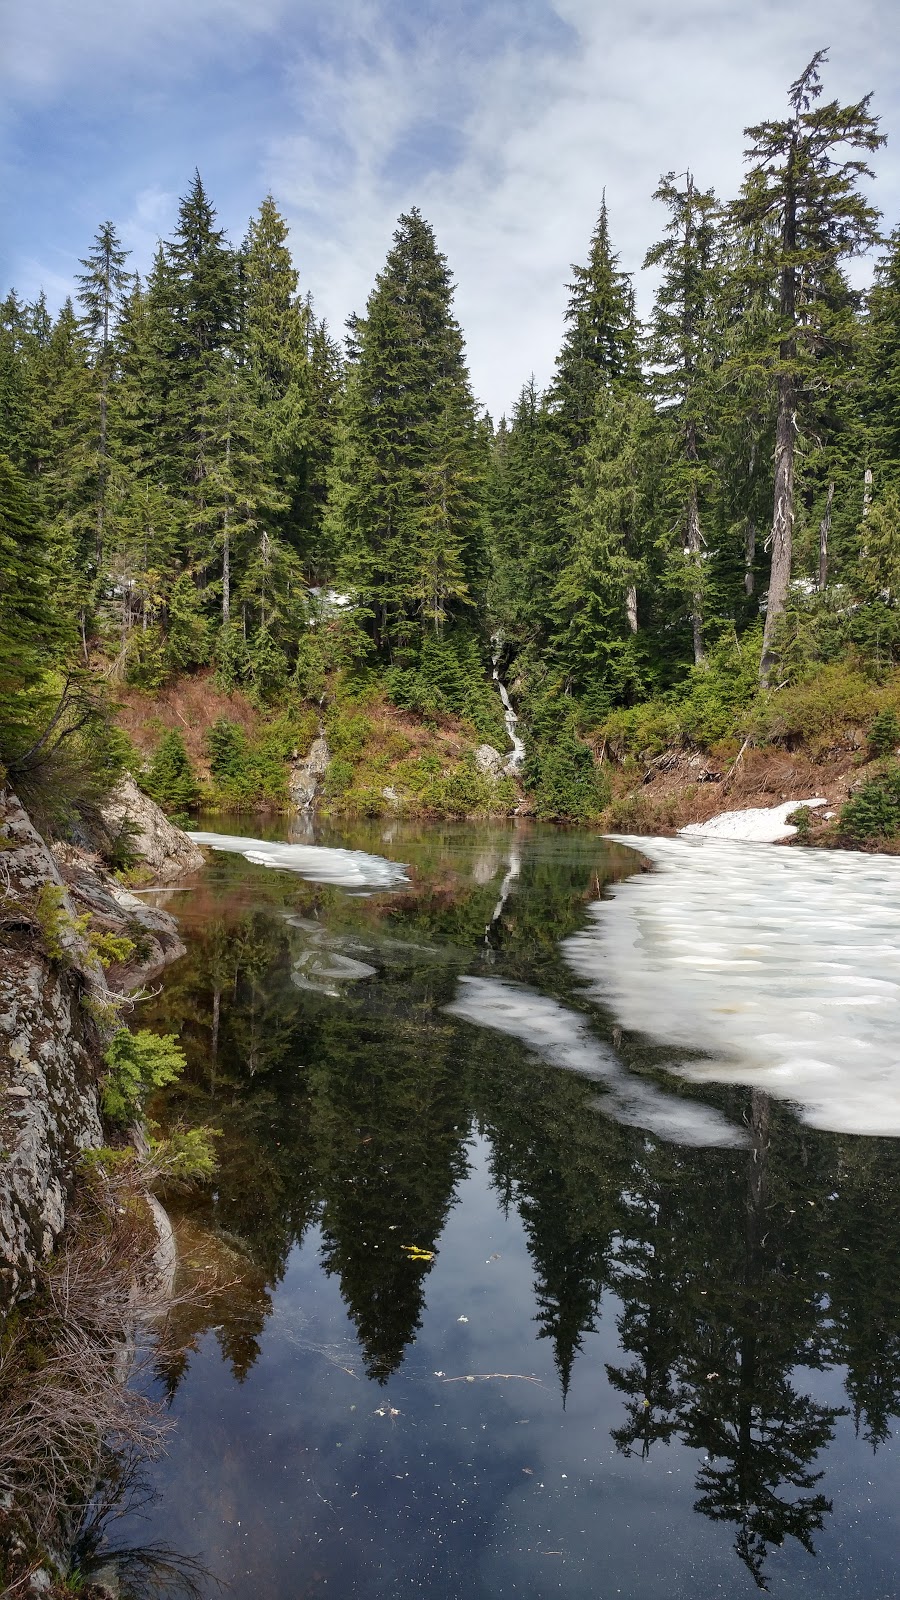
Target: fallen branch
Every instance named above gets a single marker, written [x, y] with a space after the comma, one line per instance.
[481, 1377]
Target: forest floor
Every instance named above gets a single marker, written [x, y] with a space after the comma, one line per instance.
[681, 787]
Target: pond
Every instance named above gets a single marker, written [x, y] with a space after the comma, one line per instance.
[523, 1286]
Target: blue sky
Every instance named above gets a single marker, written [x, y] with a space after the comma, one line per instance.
[503, 120]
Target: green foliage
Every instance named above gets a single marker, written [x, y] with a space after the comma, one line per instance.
[138, 1064]
[802, 820]
[874, 813]
[58, 927]
[403, 509]
[712, 704]
[185, 1157]
[817, 708]
[110, 948]
[252, 771]
[884, 732]
[170, 779]
[562, 776]
[449, 675]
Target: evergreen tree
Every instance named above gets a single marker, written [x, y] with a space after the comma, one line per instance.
[404, 509]
[612, 529]
[804, 193]
[880, 389]
[101, 288]
[681, 353]
[600, 347]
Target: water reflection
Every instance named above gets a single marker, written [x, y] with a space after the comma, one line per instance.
[714, 1289]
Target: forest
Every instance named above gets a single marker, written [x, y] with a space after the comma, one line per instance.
[699, 512]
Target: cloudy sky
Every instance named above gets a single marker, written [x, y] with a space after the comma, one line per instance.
[502, 119]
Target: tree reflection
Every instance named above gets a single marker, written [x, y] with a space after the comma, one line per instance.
[729, 1273]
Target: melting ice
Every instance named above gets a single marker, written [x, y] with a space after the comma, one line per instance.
[782, 966]
[564, 1039]
[349, 869]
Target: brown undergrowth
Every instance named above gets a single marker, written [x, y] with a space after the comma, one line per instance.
[68, 1362]
[683, 787]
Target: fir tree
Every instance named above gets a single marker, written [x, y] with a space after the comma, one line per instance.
[681, 354]
[600, 347]
[403, 505]
[102, 285]
[805, 193]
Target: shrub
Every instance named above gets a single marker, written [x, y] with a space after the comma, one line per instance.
[884, 732]
[185, 1156]
[137, 1064]
[802, 821]
[170, 779]
[874, 813]
[833, 697]
[110, 949]
[55, 923]
[338, 777]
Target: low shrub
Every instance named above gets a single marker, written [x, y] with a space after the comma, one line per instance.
[137, 1064]
[874, 813]
[817, 708]
[884, 732]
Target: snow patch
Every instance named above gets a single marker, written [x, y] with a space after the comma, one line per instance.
[782, 966]
[564, 1039]
[761, 824]
[349, 869]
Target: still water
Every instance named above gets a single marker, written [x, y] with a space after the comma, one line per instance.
[505, 1305]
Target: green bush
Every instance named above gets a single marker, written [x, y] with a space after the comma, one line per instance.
[170, 779]
[565, 781]
[338, 777]
[137, 1064]
[55, 922]
[874, 813]
[833, 697]
[251, 772]
[884, 732]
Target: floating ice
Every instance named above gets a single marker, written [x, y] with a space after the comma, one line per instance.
[350, 869]
[564, 1039]
[761, 824]
[783, 966]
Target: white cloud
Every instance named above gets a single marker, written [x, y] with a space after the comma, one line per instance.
[503, 119]
[623, 95]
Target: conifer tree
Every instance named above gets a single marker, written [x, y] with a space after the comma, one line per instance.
[102, 285]
[682, 357]
[403, 505]
[600, 347]
[880, 388]
[612, 529]
[803, 191]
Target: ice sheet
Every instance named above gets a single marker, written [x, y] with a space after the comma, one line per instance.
[783, 966]
[564, 1039]
[349, 869]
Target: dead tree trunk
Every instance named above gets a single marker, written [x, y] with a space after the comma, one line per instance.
[749, 556]
[782, 537]
[824, 531]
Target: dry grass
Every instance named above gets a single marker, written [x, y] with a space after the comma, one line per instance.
[67, 1361]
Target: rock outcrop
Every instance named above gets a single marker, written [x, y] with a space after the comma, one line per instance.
[167, 851]
[49, 1048]
[307, 775]
[57, 1006]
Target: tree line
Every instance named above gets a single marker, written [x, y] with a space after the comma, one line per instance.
[191, 460]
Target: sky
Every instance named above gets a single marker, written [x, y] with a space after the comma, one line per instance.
[503, 120]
